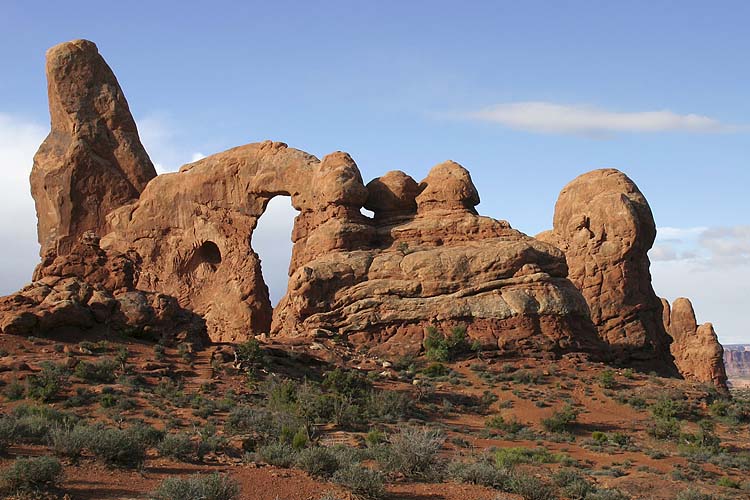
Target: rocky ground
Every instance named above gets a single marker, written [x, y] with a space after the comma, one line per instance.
[321, 420]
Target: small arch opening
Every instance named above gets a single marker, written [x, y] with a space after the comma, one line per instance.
[209, 253]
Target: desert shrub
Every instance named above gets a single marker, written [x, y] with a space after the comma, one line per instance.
[244, 419]
[531, 488]
[666, 407]
[508, 457]
[7, 433]
[178, 446]
[388, 406]
[434, 370]
[413, 451]
[374, 437]
[14, 390]
[607, 379]
[97, 372]
[439, 347]
[727, 482]
[481, 472]
[249, 353]
[278, 454]
[146, 434]
[561, 420]
[318, 461]
[361, 481]
[30, 474]
[116, 447]
[204, 487]
[70, 441]
[691, 494]
[664, 428]
[46, 385]
[346, 382]
[572, 484]
[607, 494]
[509, 426]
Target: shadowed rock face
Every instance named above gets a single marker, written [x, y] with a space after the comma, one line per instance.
[92, 161]
[605, 227]
[696, 348]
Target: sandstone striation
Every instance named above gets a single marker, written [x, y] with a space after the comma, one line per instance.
[604, 225]
[92, 161]
[696, 348]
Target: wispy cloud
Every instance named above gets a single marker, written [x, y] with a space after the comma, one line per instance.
[159, 136]
[711, 265]
[19, 140]
[552, 118]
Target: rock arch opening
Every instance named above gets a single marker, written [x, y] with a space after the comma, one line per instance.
[272, 241]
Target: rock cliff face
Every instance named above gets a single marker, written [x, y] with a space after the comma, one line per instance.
[696, 349]
[92, 161]
[605, 227]
[737, 363]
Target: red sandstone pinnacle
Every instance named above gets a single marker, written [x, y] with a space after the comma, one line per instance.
[696, 348]
[92, 161]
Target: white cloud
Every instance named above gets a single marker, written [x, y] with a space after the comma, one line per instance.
[549, 117]
[711, 266]
[19, 140]
[159, 137]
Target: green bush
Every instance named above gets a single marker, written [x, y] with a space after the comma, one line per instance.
[122, 448]
[7, 433]
[413, 451]
[509, 426]
[318, 462]
[572, 484]
[249, 354]
[361, 481]
[531, 488]
[46, 385]
[204, 487]
[607, 379]
[178, 446]
[665, 428]
[691, 494]
[278, 454]
[69, 442]
[481, 472]
[561, 420]
[98, 372]
[607, 494]
[30, 474]
[374, 437]
[509, 457]
[439, 347]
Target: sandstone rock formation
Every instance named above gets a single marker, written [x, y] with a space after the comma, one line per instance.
[605, 227]
[92, 161]
[172, 257]
[696, 349]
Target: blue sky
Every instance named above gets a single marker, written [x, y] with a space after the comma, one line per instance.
[526, 95]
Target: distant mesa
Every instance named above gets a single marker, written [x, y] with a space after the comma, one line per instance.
[169, 256]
